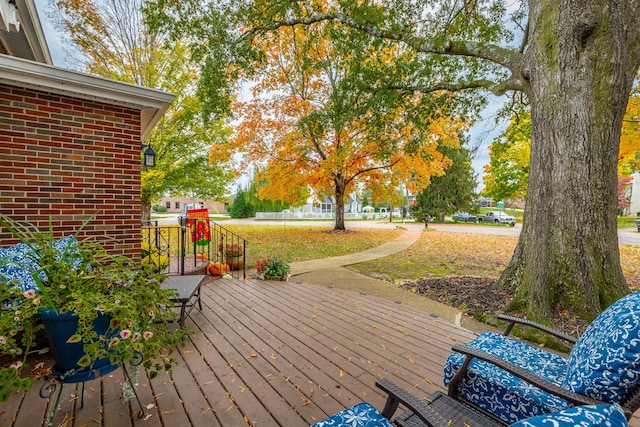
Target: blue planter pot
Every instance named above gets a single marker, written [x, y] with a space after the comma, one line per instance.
[59, 328]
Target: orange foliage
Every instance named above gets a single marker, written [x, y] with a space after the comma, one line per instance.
[291, 131]
[629, 155]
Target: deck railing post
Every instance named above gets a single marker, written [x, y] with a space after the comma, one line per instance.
[183, 247]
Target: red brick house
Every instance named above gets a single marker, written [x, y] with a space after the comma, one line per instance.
[70, 143]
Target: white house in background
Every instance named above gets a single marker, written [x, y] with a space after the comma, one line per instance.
[634, 189]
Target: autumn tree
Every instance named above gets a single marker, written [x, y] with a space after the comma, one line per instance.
[629, 156]
[110, 39]
[507, 174]
[310, 123]
[574, 60]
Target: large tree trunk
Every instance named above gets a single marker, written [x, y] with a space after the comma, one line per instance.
[339, 193]
[580, 64]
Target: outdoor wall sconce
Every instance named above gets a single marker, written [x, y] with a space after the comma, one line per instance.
[148, 156]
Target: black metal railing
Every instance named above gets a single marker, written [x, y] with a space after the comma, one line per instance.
[192, 245]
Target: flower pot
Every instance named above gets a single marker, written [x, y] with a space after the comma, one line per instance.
[235, 263]
[59, 328]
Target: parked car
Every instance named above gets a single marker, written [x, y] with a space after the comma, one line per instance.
[497, 217]
[464, 217]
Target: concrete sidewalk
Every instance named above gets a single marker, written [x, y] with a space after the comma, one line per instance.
[401, 243]
[331, 272]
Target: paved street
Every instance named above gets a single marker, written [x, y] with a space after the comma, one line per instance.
[629, 236]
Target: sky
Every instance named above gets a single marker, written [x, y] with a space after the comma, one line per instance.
[481, 134]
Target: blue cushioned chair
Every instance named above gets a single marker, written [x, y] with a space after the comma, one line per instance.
[514, 381]
[580, 416]
[360, 415]
[424, 413]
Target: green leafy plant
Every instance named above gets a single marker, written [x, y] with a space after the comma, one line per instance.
[83, 278]
[276, 269]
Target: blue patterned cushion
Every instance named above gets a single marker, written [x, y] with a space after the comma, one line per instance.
[605, 362]
[501, 393]
[17, 266]
[361, 415]
[12, 259]
[580, 416]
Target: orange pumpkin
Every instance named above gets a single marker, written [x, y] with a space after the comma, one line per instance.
[202, 256]
[216, 268]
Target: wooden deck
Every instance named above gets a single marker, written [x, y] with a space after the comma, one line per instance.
[268, 354]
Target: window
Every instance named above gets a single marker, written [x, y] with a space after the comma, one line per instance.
[177, 205]
[167, 205]
[326, 207]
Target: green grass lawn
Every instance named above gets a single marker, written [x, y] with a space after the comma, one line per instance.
[435, 254]
[627, 221]
[298, 243]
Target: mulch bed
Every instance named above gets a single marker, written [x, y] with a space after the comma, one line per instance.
[477, 295]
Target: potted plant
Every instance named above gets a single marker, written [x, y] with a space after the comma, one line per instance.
[71, 288]
[233, 255]
[274, 269]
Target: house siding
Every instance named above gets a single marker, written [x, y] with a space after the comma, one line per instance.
[66, 159]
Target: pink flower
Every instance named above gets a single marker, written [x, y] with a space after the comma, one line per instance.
[136, 336]
[29, 294]
[147, 335]
[114, 342]
[17, 364]
[3, 340]
[125, 333]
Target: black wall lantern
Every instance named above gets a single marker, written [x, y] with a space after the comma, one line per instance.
[148, 156]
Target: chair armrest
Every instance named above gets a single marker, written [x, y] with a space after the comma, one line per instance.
[397, 395]
[513, 320]
[541, 383]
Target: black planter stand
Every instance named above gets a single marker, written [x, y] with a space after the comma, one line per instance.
[56, 378]
[59, 328]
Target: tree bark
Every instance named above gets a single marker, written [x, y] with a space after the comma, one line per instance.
[340, 186]
[146, 209]
[579, 66]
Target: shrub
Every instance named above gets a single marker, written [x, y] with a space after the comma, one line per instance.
[276, 270]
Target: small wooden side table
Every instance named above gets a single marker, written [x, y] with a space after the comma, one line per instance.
[188, 288]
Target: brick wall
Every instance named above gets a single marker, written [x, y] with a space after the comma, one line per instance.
[67, 159]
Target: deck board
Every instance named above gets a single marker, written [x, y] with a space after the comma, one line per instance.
[268, 354]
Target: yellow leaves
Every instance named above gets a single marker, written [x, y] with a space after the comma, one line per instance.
[628, 157]
[629, 256]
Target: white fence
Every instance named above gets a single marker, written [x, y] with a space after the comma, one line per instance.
[313, 215]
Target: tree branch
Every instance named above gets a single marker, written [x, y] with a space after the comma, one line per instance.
[360, 172]
[505, 57]
[497, 88]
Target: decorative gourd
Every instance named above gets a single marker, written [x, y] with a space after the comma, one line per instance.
[216, 268]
